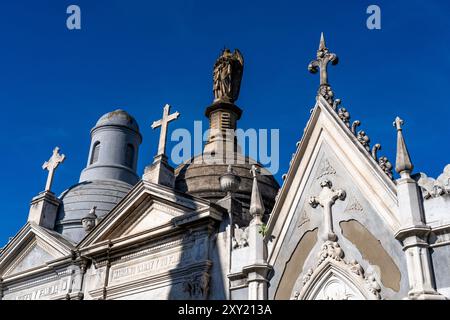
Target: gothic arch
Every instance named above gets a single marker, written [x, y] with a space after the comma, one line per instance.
[333, 278]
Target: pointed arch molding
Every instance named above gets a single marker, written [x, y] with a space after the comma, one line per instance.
[333, 278]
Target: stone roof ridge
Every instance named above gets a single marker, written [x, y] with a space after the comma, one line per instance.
[362, 137]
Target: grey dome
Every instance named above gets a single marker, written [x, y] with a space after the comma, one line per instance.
[118, 118]
[202, 179]
[78, 200]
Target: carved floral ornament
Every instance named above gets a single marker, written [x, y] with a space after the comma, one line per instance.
[240, 238]
[433, 188]
[197, 286]
[333, 278]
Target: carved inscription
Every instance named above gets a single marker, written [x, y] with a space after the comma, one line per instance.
[44, 292]
[149, 266]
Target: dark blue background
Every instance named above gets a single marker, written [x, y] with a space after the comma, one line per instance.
[139, 55]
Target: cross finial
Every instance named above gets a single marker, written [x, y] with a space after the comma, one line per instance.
[320, 64]
[163, 123]
[398, 123]
[51, 166]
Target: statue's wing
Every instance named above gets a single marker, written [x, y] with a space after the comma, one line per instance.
[237, 70]
[237, 232]
[239, 56]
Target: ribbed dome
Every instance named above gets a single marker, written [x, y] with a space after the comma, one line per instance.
[202, 180]
[78, 200]
[119, 118]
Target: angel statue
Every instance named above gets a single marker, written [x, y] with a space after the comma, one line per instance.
[227, 76]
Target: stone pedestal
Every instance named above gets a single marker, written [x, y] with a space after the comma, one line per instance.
[43, 210]
[234, 208]
[160, 172]
[222, 138]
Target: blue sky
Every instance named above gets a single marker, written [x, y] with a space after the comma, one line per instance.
[139, 55]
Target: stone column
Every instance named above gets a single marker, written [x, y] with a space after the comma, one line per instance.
[257, 269]
[413, 232]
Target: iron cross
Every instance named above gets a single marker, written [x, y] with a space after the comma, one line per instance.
[326, 198]
[163, 123]
[51, 166]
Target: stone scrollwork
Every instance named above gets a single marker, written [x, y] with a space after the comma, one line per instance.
[375, 149]
[326, 92]
[386, 166]
[197, 286]
[355, 124]
[344, 115]
[240, 238]
[433, 188]
[336, 103]
[337, 279]
[364, 139]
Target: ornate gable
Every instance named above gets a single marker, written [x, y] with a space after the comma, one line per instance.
[333, 167]
[328, 143]
[33, 248]
[148, 208]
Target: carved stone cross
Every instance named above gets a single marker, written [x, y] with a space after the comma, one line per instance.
[323, 58]
[51, 166]
[163, 123]
[326, 198]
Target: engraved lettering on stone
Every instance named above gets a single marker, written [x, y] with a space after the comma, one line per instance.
[44, 292]
[150, 266]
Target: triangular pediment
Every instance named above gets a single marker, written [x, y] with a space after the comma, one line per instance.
[32, 248]
[329, 150]
[148, 208]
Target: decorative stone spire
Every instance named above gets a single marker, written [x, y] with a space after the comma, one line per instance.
[51, 166]
[403, 164]
[256, 202]
[320, 64]
[255, 266]
[413, 232]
